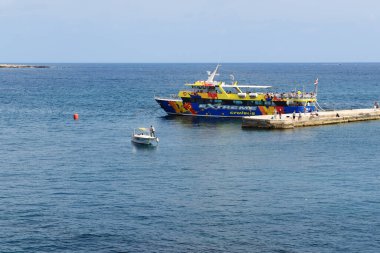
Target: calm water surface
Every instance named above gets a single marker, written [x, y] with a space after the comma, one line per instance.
[81, 186]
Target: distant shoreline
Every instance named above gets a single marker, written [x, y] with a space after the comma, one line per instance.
[17, 66]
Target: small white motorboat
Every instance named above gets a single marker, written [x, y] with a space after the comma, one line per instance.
[143, 136]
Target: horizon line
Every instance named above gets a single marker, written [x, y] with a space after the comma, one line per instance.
[258, 62]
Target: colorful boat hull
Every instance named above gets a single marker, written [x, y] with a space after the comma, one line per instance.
[178, 107]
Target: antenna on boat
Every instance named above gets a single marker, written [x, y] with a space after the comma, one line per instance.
[212, 75]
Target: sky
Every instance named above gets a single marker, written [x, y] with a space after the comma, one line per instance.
[139, 31]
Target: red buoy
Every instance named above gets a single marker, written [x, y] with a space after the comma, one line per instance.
[76, 116]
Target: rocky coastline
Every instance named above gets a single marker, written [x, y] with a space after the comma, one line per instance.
[17, 66]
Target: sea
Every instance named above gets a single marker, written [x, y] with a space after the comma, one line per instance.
[209, 186]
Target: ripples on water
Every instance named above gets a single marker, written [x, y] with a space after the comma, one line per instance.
[80, 186]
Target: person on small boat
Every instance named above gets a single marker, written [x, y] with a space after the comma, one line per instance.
[376, 105]
[152, 131]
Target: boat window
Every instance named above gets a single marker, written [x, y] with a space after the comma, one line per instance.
[227, 102]
[253, 102]
[280, 103]
[242, 102]
[196, 99]
[258, 102]
[216, 101]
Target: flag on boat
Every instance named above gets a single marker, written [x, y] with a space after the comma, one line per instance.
[315, 86]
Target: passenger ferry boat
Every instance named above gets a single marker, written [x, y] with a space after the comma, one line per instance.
[218, 99]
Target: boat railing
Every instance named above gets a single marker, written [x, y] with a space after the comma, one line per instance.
[175, 96]
[295, 95]
[170, 96]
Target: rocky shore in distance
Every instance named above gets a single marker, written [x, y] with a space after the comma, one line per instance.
[16, 66]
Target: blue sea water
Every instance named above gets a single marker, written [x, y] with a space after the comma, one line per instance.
[81, 186]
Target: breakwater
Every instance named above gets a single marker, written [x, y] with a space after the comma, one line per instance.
[288, 121]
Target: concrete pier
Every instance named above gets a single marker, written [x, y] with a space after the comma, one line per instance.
[310, 119]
